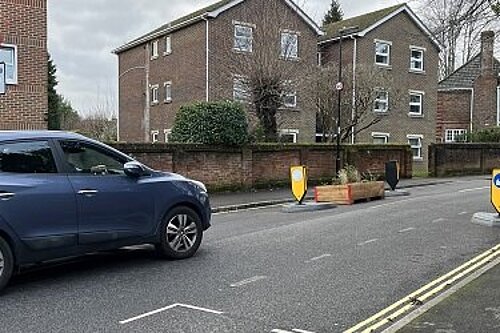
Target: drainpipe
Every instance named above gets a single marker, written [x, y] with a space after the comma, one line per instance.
[147, 106]
[498, 106]
[471, 110]
[354, 65]
[207, 51]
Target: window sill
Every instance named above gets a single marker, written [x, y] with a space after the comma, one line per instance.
[169, 101]
[416, 115]
[384, 66]
[167, 53]
[154, 58]
[294, 59]
[416, 71]
[155, 103]
[418, 159]
[381, 113]
[242, 51]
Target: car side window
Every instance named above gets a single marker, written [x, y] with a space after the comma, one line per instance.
[27, 157]
[84, 158]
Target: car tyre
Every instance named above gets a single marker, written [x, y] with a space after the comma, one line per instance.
[181, 233]
[6, 263]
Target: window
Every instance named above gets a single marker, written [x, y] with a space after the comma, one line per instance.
[416, 103]
[415, 141]
[168, 45]
[168, 91]
[289, 45]
[243, 37]
[416, 59]
[154, 94]
[383, 53]
[8, 55]
[240, 89]
[84, 158]
[381, 101]
[289, 135]
[154, 49]
[289, 95]
[167, 133]
[154, 136]
[380, 138]
[455, 135]
[27, 157]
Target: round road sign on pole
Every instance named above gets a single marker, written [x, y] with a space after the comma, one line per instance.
[495, 190]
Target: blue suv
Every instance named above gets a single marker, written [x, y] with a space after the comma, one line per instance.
[64, 195]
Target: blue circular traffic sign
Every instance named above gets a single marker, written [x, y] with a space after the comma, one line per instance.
[496, 181]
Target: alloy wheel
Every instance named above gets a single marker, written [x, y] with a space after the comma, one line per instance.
[2, 262]
[182, 233]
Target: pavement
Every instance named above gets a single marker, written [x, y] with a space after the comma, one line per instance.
[473, 307]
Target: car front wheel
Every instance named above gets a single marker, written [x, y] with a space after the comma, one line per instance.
[6, 263]
[181, 234]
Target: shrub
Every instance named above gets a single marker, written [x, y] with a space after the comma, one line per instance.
[215, 123]
[487, 135]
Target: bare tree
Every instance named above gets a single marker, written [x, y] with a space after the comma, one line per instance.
[264, 62]
[357, 106]
[457, 24]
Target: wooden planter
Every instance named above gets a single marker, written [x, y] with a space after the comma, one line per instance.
[349, 193]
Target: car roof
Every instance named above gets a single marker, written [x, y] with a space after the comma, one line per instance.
[20, 135]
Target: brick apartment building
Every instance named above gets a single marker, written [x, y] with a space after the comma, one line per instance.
[23, 49]
[393, 40]
[187, 60]
[469, 98]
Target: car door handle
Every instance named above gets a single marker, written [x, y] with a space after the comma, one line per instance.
[4, 196]
[88, 193]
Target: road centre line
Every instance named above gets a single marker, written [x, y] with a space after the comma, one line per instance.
[148, 314]
[368, 242]
[406, 230]
[248, 281]
[474, 189]
[389, 314]
[323, 256]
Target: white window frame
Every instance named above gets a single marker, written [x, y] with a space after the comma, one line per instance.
[422, 50]
[12, 80]
[420, 94]
[154, 136]
[419, 146]
[289, 94]
[154, 49]
[286, 52]
[167, 87]
[384, 136]
[294, 133]
[378, 100]
[168, 45]
[452, 133]
[238, 46]
[382, 54]
[240, 89]
[167, 133]
[155, 94]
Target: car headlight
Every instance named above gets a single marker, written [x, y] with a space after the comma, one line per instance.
[199, 184]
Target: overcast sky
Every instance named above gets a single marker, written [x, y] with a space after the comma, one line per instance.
[83, 33]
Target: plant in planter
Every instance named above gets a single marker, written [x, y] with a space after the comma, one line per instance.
[349, 187]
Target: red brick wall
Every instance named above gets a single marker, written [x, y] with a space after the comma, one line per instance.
[222, 167]
[24, 23]
[453, 111]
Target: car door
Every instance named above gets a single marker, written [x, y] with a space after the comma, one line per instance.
[111, 205]
[36, 201]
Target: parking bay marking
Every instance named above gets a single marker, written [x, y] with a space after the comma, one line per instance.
[406, 230]
[323, 256]
[295, 330]
[368, 242]
[248, 281]
[187, 306]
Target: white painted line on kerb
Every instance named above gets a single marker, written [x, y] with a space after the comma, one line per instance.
[248, 281]
[474, 189]
[406, 230]
[439, 220]
[323, 256]
[148, 314]
[295, 330]
[368, 242]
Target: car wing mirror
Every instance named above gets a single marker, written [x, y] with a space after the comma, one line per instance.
[134, 169]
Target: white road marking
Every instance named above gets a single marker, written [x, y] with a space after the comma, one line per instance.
[368, 242]
[406, 230]
[301, 331]
[439, 220]
[323, 256]
[295, 330]
[474, 189]
[247, 209]
[462, 213]
[148, 314]
[248, 281]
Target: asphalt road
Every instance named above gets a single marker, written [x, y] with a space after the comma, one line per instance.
[264, 270]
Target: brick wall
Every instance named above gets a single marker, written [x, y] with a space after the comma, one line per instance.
[223, 167]
[463, 159]
[453, 111]
[23, 23]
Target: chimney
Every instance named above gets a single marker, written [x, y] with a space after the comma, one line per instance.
[487, 41]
